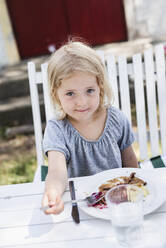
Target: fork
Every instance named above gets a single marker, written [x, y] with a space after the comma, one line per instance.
[91, 200]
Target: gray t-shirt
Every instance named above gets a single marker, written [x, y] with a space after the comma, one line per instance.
[85, 157]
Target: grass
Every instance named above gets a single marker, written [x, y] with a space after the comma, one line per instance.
[18, 170]
[17, 159]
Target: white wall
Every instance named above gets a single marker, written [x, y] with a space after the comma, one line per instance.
[8, 48]
[3, 55]
[146, 19]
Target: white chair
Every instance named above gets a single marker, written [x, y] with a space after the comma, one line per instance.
[146, 75]
[36, 78]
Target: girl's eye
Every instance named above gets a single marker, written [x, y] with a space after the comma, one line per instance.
[70, 93]
[90, 91]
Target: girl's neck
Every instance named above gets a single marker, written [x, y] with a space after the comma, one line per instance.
[93, 128]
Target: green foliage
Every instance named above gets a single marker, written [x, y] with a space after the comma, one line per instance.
[20, 170]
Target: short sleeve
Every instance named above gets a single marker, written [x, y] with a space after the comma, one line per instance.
[127, 136]
[54, 139]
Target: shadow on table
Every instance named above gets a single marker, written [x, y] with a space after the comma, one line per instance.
[39, 224]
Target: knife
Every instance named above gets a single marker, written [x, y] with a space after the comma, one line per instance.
[74, 213]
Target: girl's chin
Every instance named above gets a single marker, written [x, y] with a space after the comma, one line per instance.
[78, 118]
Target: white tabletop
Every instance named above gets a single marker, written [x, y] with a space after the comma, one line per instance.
[23, 224]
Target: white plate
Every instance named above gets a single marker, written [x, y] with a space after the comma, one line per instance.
[155, 185]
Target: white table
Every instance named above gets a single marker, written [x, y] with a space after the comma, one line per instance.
[23, 224]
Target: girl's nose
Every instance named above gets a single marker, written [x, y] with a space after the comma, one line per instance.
[82, 100]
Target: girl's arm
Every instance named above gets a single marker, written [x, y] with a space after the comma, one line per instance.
[56, 182]
[129, 158]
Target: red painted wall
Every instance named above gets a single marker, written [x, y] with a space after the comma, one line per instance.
[37, 24]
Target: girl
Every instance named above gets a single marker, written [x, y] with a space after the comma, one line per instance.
[88, 135]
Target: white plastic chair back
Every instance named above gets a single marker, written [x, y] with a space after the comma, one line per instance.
[36, 78]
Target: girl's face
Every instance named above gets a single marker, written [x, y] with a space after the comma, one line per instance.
[79, 96]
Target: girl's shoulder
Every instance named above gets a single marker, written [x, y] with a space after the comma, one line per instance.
[116, 114]
[117, 119]
[57, 124]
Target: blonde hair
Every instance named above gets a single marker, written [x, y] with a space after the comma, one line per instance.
[77, 56]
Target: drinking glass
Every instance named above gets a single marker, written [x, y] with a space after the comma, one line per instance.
[126, 213]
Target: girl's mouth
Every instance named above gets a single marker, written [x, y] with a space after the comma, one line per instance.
[81, 110]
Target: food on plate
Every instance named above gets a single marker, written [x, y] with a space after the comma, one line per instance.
[122, 193]
[132, 179]
[122, 180]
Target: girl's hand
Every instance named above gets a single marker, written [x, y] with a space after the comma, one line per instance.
[52, 199]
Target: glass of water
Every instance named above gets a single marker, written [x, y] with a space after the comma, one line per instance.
[126, 213]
